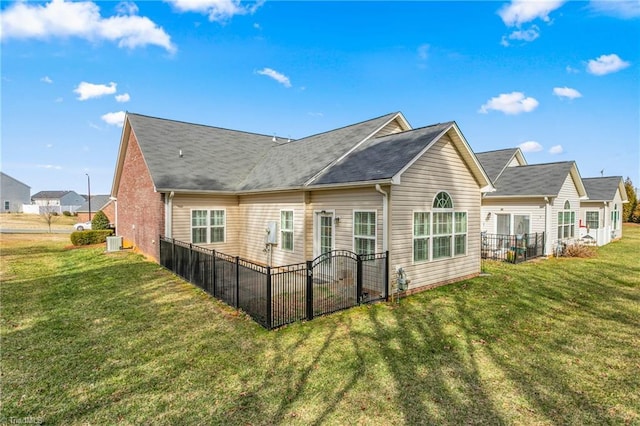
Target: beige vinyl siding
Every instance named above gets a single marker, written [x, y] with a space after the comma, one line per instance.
[344, 202]
[258, 211]
[568, 192]
[181, 219]
[514, 162]
[441, 168]
[390, 128]
[534, 208]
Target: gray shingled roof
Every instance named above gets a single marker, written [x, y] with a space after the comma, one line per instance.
[494, 162]
[228, 160]
[537, 180]
[212, 158]
[49, 195]
[602, 188]
[383, 157]
[97, 203]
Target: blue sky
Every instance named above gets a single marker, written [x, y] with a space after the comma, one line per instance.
[560, 79]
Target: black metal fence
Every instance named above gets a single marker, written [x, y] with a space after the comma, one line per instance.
[275, 296]
[512, 248]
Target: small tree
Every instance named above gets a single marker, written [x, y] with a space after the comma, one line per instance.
[99, 221]
[49, 214]
[629, 208]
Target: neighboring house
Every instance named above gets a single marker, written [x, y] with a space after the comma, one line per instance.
[370, 187]
[58, 200]
[601, 214]
[13, 194]
[532, 198]
[98, 202]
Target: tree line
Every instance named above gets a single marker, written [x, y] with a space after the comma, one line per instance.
[631, 210]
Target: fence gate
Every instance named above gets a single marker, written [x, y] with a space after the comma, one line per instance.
[334, 278]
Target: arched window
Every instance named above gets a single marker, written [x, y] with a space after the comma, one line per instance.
[566, 222]
[441, 232]
[442, 201]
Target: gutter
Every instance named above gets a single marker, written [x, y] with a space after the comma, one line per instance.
[385, 216]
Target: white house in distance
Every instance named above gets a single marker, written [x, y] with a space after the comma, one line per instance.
[58, 201]
[13, 194]
[532, 198]
[601, 213]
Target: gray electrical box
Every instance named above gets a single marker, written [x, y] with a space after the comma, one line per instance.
[272, 233]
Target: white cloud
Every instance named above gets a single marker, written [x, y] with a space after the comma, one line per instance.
[89, 90]
[423, 52]
[60, 18]
[571, 70]
[606, 64]
[618, 9]
[566, 92]
[114, 118]
[530, 146]
[519, 12]
[49, 145]
[526, 35]
[556, 149]
[123, 98]
[127, 8]
[49, 166]
[510, 103]
[59, 100]
[216, 10]
[280, 78]
[46, 79]
[316, 114]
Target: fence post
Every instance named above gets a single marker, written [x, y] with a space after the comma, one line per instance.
[237, 298]
[386, 276]
[190, 269]
[359, 278]
[269, 298]
[215, 291]
[309, 290]
[173, 255]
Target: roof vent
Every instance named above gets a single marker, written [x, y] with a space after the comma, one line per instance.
[274, 138]
[180, 153]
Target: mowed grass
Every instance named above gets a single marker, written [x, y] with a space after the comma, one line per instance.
[35, 221]
[90, 337]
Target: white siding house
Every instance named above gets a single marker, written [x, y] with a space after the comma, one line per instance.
[13, 194]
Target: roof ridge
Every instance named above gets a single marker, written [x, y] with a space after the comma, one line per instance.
[347, 126]
[205, 125]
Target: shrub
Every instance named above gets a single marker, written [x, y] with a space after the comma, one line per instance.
[66, 213]
[579, 250]
[83, 238]
[54, 214]
[99, 221]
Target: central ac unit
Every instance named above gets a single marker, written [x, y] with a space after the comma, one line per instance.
[114, 243]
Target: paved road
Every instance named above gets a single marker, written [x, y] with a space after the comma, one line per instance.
[34, 231]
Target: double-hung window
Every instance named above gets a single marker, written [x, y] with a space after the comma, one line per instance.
[593, 220]
[421, 232]
[460, 233]
[566, 222]
[615, 217]
[364, 232]
[207, 226]
[286, 230]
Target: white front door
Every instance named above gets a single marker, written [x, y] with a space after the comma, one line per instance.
[323, 233]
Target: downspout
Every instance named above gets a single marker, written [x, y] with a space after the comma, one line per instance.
[385, 216]
[168, 215]
[115, 208]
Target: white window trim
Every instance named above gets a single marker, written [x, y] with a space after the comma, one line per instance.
[316, 230]
[208, 225]
[413, 237]
[375, 229]
[292, 231]
[569, 224]
[465, 233]
[586, 221]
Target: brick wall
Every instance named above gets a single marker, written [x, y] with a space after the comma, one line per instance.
[140, 208]
[109, 211]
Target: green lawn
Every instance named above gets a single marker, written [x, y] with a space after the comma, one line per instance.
[100, 338]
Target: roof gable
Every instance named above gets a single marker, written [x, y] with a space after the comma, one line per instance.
[389, 156]
[605, 188]
[50, 195]
[495, 162]
[537, 180]
[4, 176]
